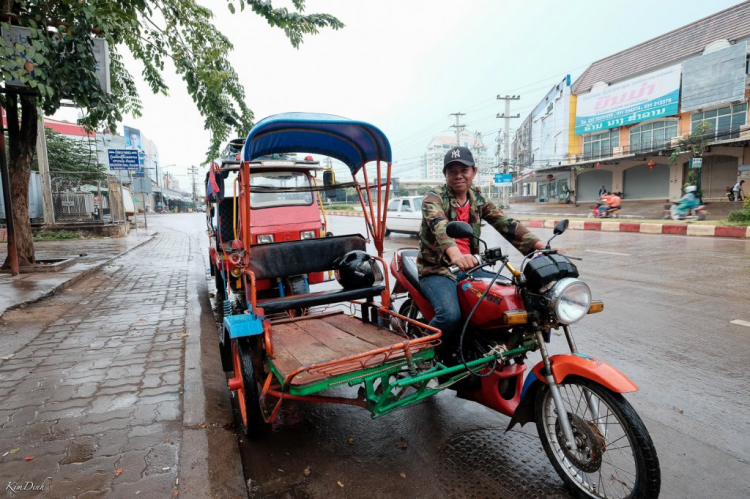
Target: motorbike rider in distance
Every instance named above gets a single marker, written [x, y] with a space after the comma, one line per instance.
[458, 200]
[687, 202]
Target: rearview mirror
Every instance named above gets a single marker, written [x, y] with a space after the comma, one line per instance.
[459, 230]
[561, 227]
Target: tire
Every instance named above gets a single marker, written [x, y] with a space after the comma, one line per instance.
[637, 474]
[248, 395]
[387, 231]
[701, 216]
[221, 290]
[410, 310]
[590, 215]
[731, 196]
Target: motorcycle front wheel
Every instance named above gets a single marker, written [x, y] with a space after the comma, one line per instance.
[613, 455]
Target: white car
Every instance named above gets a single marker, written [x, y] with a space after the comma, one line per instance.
[404, 215]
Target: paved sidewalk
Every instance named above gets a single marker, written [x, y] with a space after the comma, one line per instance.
[90, 254]
[92, 404]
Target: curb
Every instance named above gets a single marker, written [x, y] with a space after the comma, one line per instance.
[638, 227]
[66, 284]
[647, 228]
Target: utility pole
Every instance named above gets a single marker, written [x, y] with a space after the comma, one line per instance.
[506, 140]
[193, 171]
[458, 126]
[498, 156]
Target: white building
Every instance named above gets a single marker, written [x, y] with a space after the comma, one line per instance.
[550, 125]
[441, 144]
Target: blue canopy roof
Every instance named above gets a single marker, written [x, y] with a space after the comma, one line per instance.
[351, 142]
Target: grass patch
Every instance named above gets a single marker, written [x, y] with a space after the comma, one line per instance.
[740, 217]
[59, 235]
[341, 207]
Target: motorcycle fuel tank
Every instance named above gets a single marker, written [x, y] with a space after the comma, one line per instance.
[489, 315]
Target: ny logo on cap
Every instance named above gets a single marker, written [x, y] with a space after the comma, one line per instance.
[456, 153]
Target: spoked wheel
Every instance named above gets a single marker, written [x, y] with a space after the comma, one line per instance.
[613, 455]
[409, 309]
[248, 396]
[590, 215]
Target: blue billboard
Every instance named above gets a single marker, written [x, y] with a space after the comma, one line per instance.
[124, 159]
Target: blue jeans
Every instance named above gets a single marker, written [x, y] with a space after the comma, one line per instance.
[442, 293]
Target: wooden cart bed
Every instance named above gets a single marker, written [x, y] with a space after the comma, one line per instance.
[329, 338]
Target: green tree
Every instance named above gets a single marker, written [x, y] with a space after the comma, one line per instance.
[58, 64]
[402, 192]
[70, 155]
[422, 190]
[695, 143]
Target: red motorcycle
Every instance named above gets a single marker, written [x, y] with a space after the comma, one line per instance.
[600, 448]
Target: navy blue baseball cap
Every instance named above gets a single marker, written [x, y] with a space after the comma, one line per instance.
[458, 154]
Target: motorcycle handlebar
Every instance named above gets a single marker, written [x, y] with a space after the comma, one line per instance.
[453, 269]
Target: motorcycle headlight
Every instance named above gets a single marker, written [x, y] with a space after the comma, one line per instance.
[307, 234]
[570, 300]
[265, 239]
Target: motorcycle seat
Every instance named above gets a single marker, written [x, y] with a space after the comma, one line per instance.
[409, 263]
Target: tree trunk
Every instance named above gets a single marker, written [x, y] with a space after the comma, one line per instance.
[21, 142]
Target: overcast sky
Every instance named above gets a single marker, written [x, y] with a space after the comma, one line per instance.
[405, 66]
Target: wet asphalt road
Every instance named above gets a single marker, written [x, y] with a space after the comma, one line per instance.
[669, 301]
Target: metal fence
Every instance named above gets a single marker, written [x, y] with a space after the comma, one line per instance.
[75, 198]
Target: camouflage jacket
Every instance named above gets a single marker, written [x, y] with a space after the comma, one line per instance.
[439, 208]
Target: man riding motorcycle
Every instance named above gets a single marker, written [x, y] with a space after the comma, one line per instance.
[457, 200]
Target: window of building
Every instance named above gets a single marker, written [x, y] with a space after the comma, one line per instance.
[725, 122]
[600, 145]
[652, 136]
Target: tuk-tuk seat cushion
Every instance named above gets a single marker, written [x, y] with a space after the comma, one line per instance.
[306, 256]
[291, 258]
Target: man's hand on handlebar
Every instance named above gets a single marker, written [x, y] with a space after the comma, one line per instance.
[540, 246]
[458, 259]
[465, 262]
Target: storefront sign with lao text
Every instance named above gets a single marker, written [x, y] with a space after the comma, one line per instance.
[654, 95]
[123, 159]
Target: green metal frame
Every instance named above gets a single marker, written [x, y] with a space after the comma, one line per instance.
[383, 396]
[352, 378]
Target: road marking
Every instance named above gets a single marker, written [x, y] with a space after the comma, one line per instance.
[609, 252]
[740, 323]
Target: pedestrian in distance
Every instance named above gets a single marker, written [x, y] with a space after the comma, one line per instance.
[737, 189]
[602, 191]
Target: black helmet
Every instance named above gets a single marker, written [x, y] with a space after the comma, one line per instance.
[356, 269]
